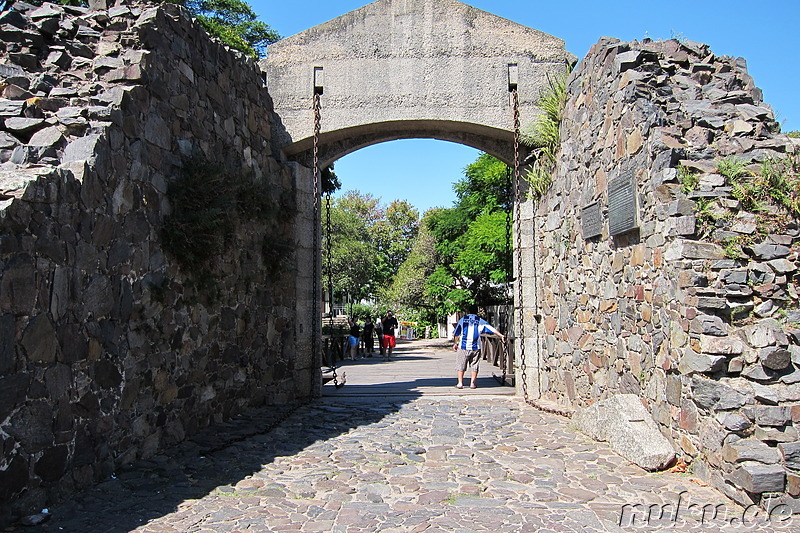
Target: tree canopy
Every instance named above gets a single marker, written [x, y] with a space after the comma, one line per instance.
[462, 254]
[235, 23]
[368, 242]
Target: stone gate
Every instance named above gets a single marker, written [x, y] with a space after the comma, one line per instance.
[642, 273]
[398, 69]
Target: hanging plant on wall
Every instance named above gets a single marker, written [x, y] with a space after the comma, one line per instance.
[544, 135]
[209, 203]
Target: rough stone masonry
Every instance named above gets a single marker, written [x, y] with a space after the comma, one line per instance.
[693, 305]
[109, 349]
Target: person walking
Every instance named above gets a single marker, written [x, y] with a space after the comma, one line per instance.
[379, 334]
[369, 344]
[389, 324]
[467, 344]
[354, 338]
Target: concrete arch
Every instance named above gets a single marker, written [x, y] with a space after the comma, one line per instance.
[398, 69]
[336, 144]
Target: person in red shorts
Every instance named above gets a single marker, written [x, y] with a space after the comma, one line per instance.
[390, 324]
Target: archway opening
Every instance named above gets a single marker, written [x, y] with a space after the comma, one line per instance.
[379, 223]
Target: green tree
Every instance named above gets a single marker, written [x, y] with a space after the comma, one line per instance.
[369, 242]
[235, 23]
[394, 236]
[352, 253]
[409, 287]
[472, 240]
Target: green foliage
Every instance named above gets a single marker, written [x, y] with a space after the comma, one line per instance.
[732, 168]
[408, 290]
[794, 134]
[544, 136]
[368, 243]
[234, 22]
[689, 179]
[732, 248]
[208, 204]
[483, 243]
[484, 188]
[472, 253]
[777, 183]
[361, 311]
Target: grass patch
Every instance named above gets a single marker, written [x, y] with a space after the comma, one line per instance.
[688, 178]
[777, 183]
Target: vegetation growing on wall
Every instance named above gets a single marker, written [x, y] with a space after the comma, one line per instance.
[544, 135]
[209, 204]
[771, 191]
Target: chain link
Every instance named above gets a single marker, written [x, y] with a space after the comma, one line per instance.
[518, 249]
[519, 303]
[317, 312]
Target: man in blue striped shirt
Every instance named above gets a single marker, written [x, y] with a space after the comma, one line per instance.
[467, 336]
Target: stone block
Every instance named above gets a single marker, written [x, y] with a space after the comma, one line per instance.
[688, 417]
[39, 340]
[686, 249]
[13, 478]
[713, 304]
[771, 415]
[793, 484]
[791, 454]
[700, 362]
[759, 373]
[8, 335]
[708, 325]
[625, 424]
[782, 266]
[775, 358]
[767, 252]
[674, 388]
[765, 394]
[750, 450]
[736, 422]
[721, 345]
[775, 434]
[24, 126]
[81, 149]
[758, 478]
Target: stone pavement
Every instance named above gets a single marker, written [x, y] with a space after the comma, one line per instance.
[468, 462]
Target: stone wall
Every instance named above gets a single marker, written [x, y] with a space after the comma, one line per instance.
[696, 308]
[109, 350]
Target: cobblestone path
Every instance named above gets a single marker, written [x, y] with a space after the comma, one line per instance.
[448, 464]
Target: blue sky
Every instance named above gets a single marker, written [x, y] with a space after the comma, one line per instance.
[422, 171]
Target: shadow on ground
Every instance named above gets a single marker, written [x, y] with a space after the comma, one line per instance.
[221, 456]
[215, 460]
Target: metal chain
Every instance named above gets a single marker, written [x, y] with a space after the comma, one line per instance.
[329, 255]
[315, 312]
[517, 203]
[317, 221]
[519, 303]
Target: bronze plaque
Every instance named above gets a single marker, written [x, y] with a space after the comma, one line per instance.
[622, 215]
[591, 221]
